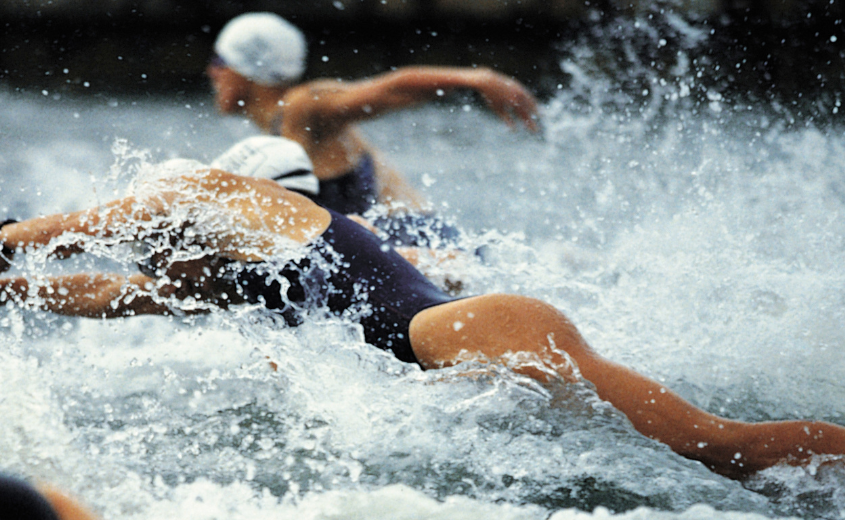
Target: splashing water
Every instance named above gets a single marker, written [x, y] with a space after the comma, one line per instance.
[691, 237]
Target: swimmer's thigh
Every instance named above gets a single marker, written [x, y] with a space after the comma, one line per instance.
[494, 326]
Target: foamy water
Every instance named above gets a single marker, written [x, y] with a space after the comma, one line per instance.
[701, 245]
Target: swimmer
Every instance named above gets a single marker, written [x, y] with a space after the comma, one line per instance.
[259, 60]
[222, 238]
[21, 501]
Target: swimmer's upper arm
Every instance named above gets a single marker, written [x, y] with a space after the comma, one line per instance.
[105, 221]
[332, 103]
[338, 103]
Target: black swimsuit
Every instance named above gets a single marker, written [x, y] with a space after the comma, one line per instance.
[353, 273]
[354, 192]
[20, 501]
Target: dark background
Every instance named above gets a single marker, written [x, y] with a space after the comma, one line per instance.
[776, 49]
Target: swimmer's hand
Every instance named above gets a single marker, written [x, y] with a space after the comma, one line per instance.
[509, 99]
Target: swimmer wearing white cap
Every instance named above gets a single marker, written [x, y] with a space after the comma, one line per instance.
[271, 157]
[259, 60]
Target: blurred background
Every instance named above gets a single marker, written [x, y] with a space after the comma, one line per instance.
[785, 49]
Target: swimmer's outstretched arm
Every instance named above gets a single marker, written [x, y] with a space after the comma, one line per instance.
[120, 216]
[264, 211]
[335, 104]
[87, 295]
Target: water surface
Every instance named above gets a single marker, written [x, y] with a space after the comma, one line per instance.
[692, 236]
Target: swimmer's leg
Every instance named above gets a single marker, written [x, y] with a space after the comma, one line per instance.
[488, 326]
[495, 325]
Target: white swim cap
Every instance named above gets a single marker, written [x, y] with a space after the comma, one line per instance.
[271, 157]
[262, 47]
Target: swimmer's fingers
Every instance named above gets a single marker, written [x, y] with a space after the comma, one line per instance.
[527, 112]
[524, 106]
[512, 114]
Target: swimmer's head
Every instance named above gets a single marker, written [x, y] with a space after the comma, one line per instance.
[262, 47]
[270, 157]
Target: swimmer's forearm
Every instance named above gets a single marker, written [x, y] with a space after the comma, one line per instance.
[13, 289]
[434, 81]
[405, 87]
[411, 85]
[85, 295]
[104, 222]
[505, 96]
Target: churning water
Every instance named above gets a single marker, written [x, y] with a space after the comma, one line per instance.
[693, 237]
